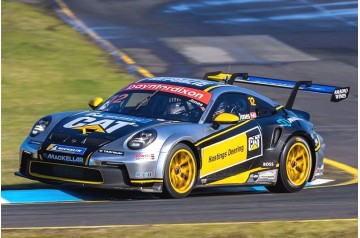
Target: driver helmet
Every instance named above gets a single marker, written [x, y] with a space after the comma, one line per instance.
[175, 106]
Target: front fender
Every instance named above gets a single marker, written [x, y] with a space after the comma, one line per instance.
[55, 119]
[170, 142]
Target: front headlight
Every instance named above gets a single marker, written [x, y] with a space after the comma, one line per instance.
[142, 139]
[40, 126]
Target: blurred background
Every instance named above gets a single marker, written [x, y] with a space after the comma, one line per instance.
[48, 66]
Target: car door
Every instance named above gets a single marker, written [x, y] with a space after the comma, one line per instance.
[228, 152]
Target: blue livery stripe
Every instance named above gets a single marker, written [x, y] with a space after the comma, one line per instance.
[37, 195]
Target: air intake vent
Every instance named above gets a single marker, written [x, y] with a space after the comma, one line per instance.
[275, 137]
[65, 172]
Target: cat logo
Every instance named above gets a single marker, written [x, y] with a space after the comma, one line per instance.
[88, 125]
[254, 142]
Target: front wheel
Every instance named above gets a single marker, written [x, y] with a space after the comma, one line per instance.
[180, 172]
[295, 166]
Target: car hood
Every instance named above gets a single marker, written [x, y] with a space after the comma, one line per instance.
[103, 124]
[81, 134]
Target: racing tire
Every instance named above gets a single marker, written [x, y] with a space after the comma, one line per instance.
[180, 172]
[295, 167]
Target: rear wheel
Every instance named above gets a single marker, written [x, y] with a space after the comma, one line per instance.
[295, 166]
[180, 172]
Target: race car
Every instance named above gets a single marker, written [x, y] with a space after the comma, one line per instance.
[167, 136]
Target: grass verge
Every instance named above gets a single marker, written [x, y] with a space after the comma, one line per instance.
[322, 228]
[47, 67]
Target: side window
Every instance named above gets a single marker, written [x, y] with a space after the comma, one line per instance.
[262, 109]
[234, 103]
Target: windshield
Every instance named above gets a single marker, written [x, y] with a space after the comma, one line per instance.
[155, 104]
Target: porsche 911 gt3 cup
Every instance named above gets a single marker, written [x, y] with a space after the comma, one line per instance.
[168, 135]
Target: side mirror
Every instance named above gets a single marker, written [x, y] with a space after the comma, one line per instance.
[224, 118]
[95, 102]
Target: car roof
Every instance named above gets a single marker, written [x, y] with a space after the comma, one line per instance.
[184, 82]
[206, 85]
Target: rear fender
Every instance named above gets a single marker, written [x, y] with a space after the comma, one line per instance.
[301, 114]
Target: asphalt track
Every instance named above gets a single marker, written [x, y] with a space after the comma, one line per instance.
[294, 40]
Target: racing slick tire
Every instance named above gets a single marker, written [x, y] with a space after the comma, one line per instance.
[295, 167]
[180, 172]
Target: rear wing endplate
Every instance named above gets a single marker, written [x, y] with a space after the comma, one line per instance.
[337, 93]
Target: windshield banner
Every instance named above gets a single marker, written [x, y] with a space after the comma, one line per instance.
[192, 93]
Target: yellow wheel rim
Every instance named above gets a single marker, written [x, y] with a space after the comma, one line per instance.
[298, 164]
[182, 171]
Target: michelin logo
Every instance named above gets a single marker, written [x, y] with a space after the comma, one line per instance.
[66, 149]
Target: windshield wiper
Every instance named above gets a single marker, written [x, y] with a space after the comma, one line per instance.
[145, 101]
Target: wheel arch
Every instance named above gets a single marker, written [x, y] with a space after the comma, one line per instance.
[168, 145]
[307, 137]
[178, 181]
[194, 150]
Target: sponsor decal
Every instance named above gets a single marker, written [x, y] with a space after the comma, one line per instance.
[91, 124]
[254, 142]
[67, 158]
[284, 122]
[340, 94]
[187, 81]
[66, 149]
[34, 142]
[113, 152]
[287, 122]
[267, 176]
[230, 152]
[236, 150]
[144, 156]
[244, 117]
[292, 119]
[268, 164]
[196, 103]
[192, 93]
[119, 117]
[253, 115]
[223, 154]
[218, 156]
[143, 174]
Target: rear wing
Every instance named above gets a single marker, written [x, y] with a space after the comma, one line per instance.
[337, 93]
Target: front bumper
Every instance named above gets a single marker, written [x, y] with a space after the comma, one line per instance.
[109, 176]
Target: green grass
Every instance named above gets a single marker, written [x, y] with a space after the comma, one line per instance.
[47, 67]
[304, 229]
